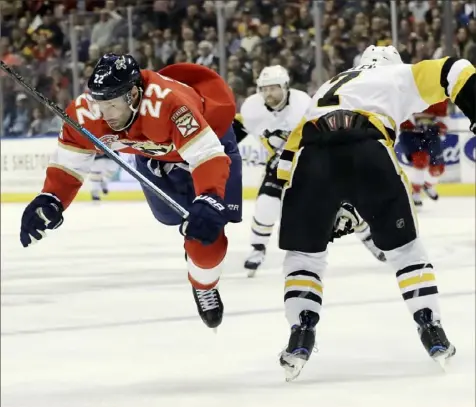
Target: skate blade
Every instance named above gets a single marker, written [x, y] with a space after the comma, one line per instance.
[292, 372]
[251, 273]
[443, 358]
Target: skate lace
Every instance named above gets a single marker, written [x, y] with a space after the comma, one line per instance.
[433, 335]
[208, 299]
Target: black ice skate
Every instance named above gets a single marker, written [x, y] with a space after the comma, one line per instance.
[209, 305]
[430, 191]
[417, 199]
[255, 259]
[433, 336]
[300, 346]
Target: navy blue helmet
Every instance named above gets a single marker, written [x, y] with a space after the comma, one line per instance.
[114, 76]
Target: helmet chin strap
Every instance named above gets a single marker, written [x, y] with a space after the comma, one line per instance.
[134, 110]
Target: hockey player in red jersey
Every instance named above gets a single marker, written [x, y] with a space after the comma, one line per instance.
[178, 124]
[421, 143]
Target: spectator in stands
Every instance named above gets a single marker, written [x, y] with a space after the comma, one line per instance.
[40, 124]
[206, 56]
[51, 31]
[43, 50]
[19, 40]
[209, 15]
[238, 70]
[17, 121]
[102, 34]
[165, 45]
[257, 34]
[190, 49]
[250, 39]
[94, 53]
[149, 59]
[60, 86]
[85, 75]
[7, 52]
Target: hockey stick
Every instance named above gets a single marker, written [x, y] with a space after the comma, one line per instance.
[98, 143]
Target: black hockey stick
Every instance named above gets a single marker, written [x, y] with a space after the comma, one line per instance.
[98, 143]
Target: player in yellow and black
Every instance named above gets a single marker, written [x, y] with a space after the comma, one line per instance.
[343, 151]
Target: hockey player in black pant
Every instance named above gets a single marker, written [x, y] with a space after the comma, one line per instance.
[343, 151]
[270, 115]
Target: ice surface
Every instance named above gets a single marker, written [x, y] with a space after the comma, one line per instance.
[101, 314]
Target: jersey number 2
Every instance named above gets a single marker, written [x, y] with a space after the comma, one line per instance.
[330, 98]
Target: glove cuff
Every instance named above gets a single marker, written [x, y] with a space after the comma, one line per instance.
[212, 200]
[56, 199]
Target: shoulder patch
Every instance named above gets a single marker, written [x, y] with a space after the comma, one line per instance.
[179, 112]
[185, 121]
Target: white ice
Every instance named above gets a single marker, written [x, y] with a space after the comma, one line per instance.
[101, 314]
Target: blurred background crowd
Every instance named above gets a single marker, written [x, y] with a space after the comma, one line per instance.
[55, 44]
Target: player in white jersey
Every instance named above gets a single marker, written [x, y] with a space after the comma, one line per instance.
[343, 151]
[102, 171]
[271, 115]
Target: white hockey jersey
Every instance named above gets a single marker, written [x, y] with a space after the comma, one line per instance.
[256, 118]
[387, 95]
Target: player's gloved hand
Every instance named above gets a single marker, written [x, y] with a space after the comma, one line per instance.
[346, 220]
[276, 139]
[160, 168]
[44, 212]
[208, 216]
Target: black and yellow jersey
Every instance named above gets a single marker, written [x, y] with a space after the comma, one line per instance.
[388, 95]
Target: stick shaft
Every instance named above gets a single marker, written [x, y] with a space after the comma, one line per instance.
[98, 143]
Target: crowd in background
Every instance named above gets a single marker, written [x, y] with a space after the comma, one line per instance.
[36, 39]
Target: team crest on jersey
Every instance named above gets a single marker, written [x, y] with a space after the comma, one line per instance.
[109, 139]
[185, 121]
[147, 147]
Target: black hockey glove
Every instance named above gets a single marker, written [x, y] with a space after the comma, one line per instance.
[346, 220]
[44, 212]
[276, 139]
[208, 216]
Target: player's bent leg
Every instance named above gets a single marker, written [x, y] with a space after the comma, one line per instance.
[414, 148]
[436, 167]
[394, 229]
[205, 265]
[267, 210]
[177, 183]
[417, 283]
[420, 161]
[204, 262]
[306, 226]
[110, 169]
[364, 234]
[234, 184]
[95, 180]
[303, 290]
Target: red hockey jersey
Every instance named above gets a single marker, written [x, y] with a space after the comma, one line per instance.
[184, 111]
[434, 111]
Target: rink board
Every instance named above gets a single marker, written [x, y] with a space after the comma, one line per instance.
[455, 190]
[24, 162]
